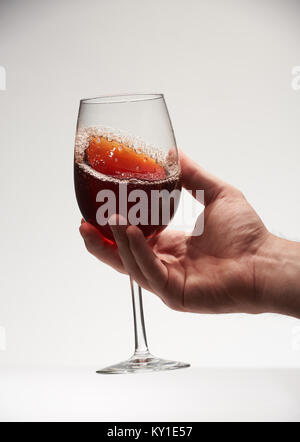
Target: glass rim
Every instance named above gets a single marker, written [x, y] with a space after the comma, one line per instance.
[121, 98]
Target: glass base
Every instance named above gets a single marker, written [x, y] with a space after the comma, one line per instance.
[141, 364]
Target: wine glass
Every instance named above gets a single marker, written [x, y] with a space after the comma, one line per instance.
[126, 154]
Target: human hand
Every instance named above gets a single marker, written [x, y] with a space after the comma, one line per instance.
[232, 267]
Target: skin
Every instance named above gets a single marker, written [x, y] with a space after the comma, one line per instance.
[235, 266]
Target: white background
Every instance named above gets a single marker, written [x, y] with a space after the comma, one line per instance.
[225, 69]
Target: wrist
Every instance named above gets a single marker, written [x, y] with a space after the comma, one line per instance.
[277, 275]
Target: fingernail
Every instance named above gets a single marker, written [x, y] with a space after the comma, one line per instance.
[81, 230]
[113, 220]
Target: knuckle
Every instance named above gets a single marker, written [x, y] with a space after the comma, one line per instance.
[229, 191]
[173, 303]
[236, 192]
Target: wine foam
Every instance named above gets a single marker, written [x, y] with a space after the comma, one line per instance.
[82, 143]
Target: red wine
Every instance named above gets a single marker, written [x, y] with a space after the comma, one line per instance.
[105, 164]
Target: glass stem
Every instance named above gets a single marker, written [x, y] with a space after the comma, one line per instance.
[141, 346]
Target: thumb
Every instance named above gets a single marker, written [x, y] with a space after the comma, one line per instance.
[194, 177]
